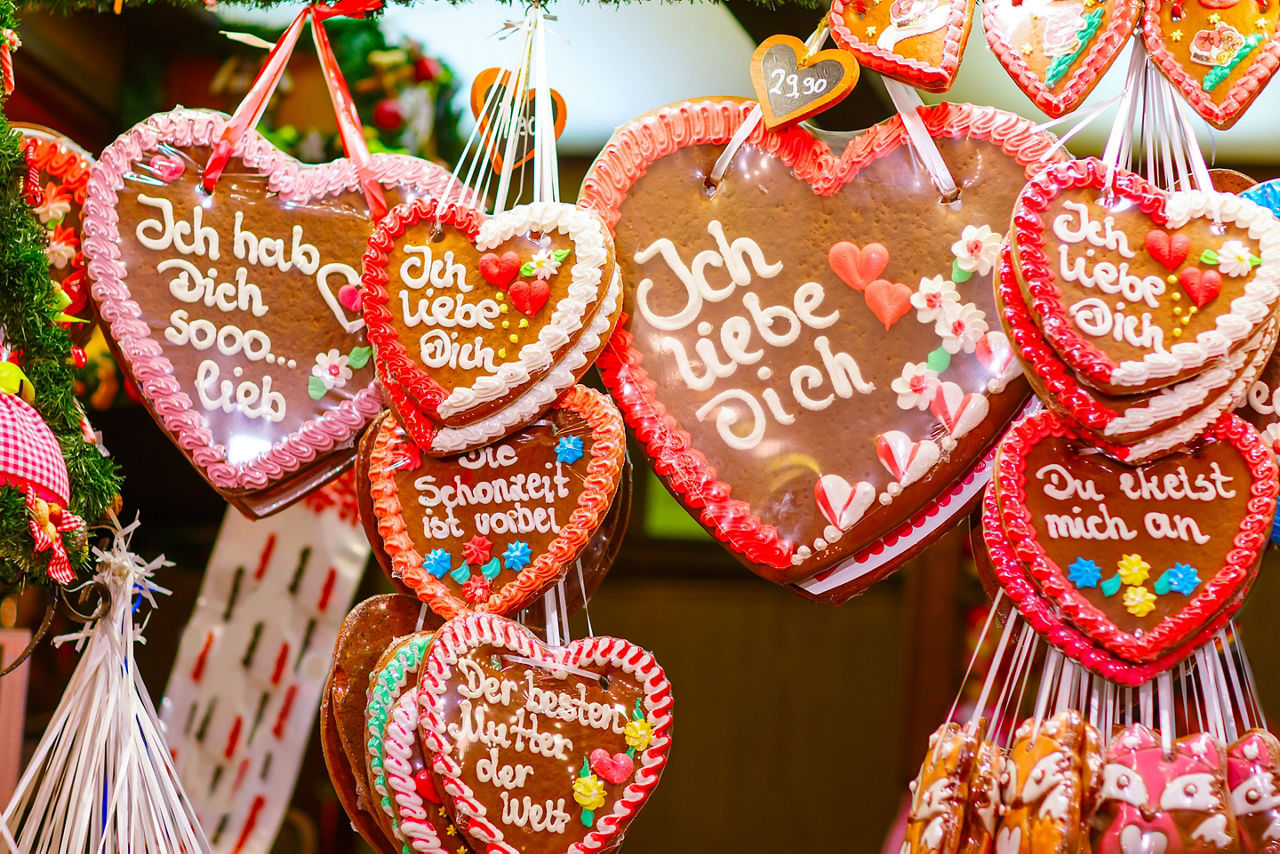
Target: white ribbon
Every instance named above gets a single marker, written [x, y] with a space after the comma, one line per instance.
[907, 102]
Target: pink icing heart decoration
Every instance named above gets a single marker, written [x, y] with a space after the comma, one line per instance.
[1169, 249]
[613, 769]
[226, 307]
[752, 368]
[349, 297]
[499, 270]
[841, 503]
[888, 301]
[529, 297]
[858, 267]
[1203, 286]
[592, 698]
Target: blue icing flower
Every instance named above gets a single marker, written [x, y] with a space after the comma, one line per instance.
[517, 555]
[569, 449]
[1084, 573]
[1179, 578]
[437, 562]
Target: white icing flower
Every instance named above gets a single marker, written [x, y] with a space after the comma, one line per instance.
[544, 264]
[961, 327]
[60, 253]
[933, 297]
[332, 369]
[1235, 259]
[977, 249]
[916, 387]
[54, 208]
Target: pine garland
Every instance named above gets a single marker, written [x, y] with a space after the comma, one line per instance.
[27, 309]
[67, 6]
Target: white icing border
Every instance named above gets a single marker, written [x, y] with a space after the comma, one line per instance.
[591, 250]
[412, 828]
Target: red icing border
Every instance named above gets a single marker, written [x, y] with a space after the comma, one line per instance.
[1041, 615]
[463, 633]
[598, 488]
[1097, 59]
[625, 159]
[1223, 593]
[934, 78]
[1262, 67]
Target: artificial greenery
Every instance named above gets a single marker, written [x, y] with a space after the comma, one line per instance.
[28, 304]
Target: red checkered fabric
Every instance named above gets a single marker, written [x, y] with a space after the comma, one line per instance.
[30, 458]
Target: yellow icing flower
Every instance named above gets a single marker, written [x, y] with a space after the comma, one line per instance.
[1139, 601]
[1133, 569]
[1175, 36]
[638, 734]
[588, 791]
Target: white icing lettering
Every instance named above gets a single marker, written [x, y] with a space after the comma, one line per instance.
[191, 286]
[245, 397]
[188, 238]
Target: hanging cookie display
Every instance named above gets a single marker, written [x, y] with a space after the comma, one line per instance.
[596, 716]
[919, 42]
[842, 378]
[486, 90]
[491, 529]
[1058, 50]
[1220, 54]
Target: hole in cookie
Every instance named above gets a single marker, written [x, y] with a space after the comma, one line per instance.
[604, 683]
[952, 198]
[437, 233]
[710, 185]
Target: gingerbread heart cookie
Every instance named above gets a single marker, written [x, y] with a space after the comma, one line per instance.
[491, 529]
[1044, 782]
[347, 781]
[1218, 53]
[1149, 287]
[482, 321]
[1253, 784]
[234, 311]
[940, 793]
[1058, 51]
[573, 742]
[919, 42]
[1140, 560]
[483, 95]
[806, 388]
[1152, 802]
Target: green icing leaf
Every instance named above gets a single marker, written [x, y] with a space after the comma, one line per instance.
[1208, 256]
[586, 768]
[316, 388]
[560, 254]
[359, 357]
[462, 574]
[588, 818]
[1213, 79]
[959, 276]
[939, 360]
[1111, 586]
[526, 269]
[637, 713]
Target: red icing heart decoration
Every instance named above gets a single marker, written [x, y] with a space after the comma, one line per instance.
[225, 308]
[1057, 54]
[493, 528]
[529, 297]
[1107, 307]
[467, 352]
[1218, 55]
[958, 412]
[1169, 249]
[541, 793]
[499, 270]
[758, 366]
[426, 787]
[1138, 563]
[888, 301]
[349, 297]
[858, 267]
[613, 769]
[1201, 285]
[919, 42]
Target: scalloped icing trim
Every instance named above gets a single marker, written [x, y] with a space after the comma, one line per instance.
[624, 160]
[1098, 58]
[1085, 409]
[1224, 592]
[591, 251]
[1262, 67]
[598, 487]
[153, 372]
[1231, 328]
[1036, 610]
[468, 631]
[916, 72]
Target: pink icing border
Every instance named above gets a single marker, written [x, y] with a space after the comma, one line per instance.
[154, 373]
[934, 78]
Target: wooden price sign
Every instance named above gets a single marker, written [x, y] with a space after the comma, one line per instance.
[792, 85]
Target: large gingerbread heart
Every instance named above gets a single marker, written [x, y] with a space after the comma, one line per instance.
[480, 322]
[1219, 53]
[542, 749]
[807, 385]
[1140, 288]
[1139, 559]
[1057, 52]
[491, 529]
[1253, 784]
[232, 310]
[919, 42]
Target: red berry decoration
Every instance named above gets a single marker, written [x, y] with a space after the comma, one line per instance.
[426, 69]
[388, 115]
[78, 358]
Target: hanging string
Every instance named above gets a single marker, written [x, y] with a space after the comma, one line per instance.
[586, 608]
[906, 100]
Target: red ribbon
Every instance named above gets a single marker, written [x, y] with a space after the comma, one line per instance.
[59, 564]
[250, 111]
